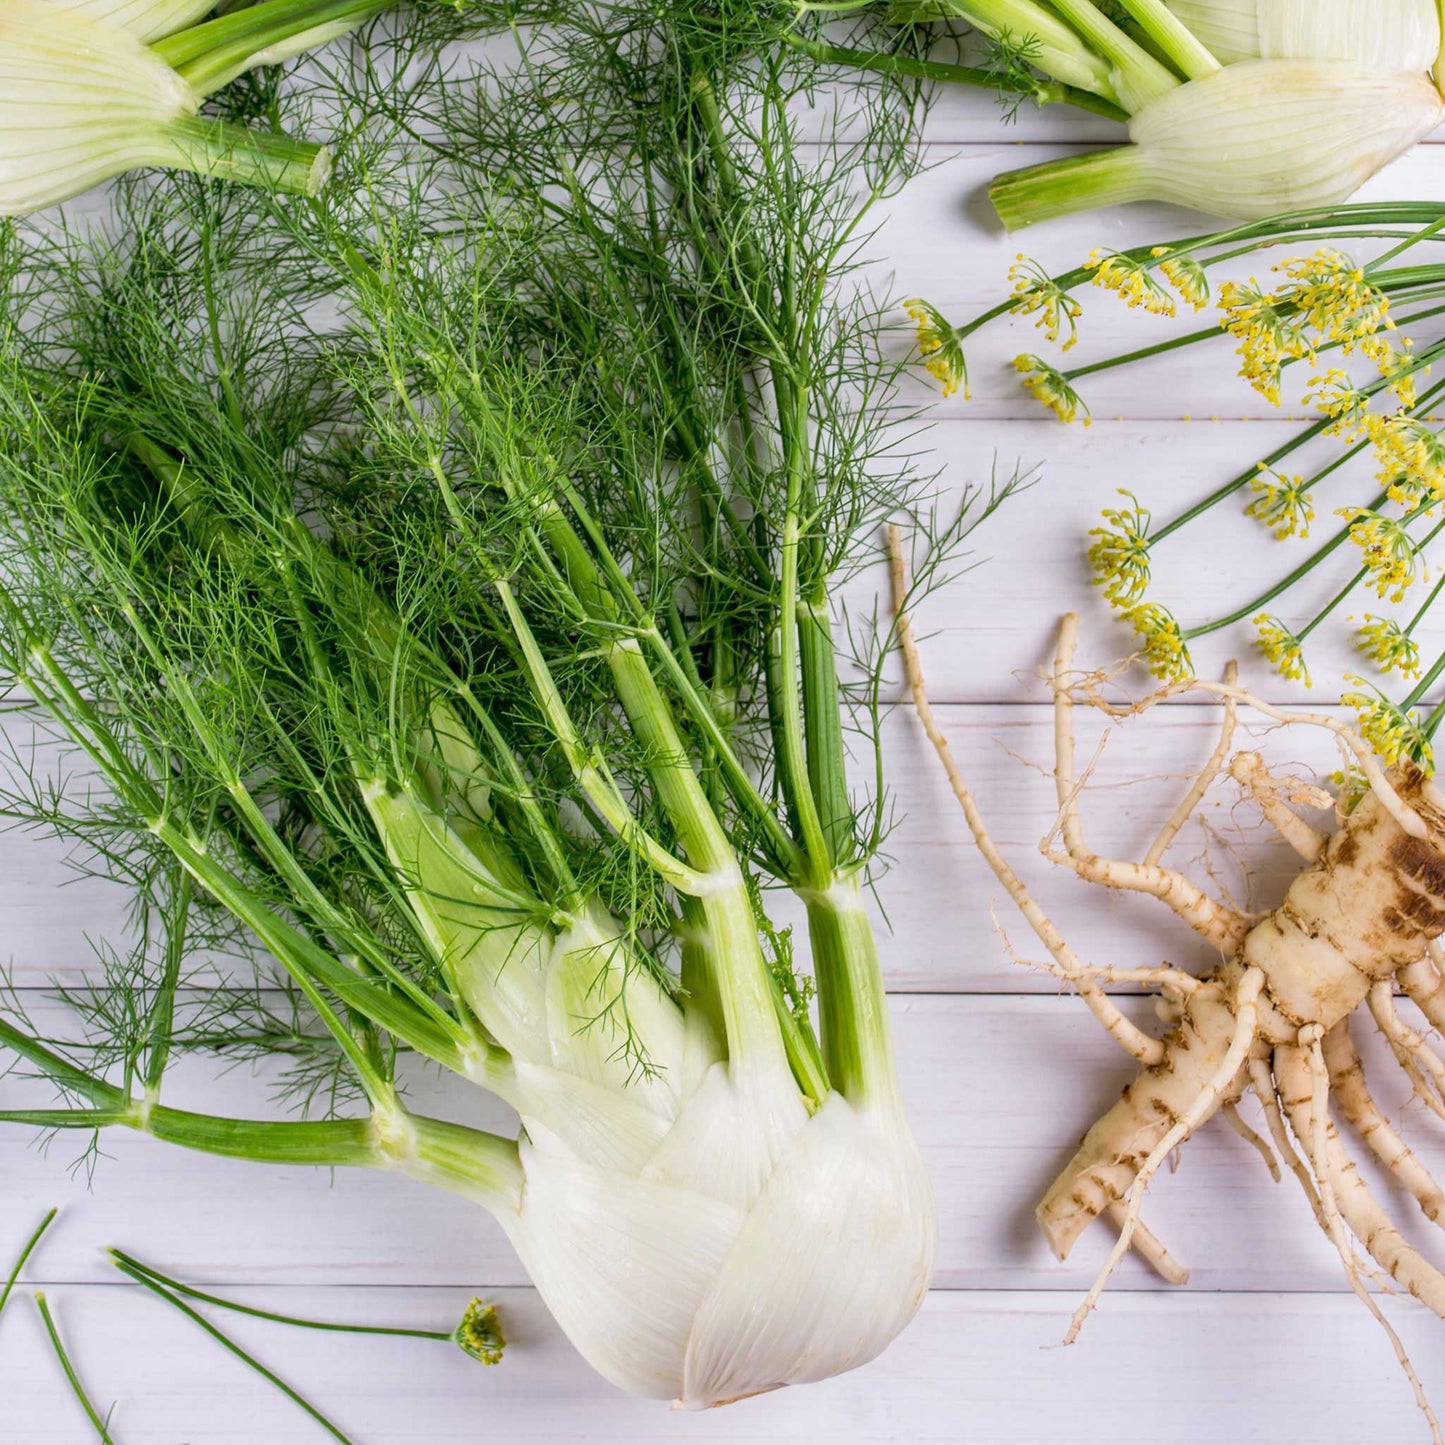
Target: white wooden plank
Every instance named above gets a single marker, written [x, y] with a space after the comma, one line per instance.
[1000, 1090]
[1249, 1370]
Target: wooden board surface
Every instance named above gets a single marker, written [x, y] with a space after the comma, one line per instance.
[1002, 1072]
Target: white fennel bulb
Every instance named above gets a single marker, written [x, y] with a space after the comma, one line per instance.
[1392, 34]
[80, 102]
[147, 20]
[1251, 140]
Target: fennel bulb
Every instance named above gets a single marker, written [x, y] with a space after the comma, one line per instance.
[1242, 108]
[147, 20]
[85, 96]
[447, 605]
[1253, 139]
[1391, 34]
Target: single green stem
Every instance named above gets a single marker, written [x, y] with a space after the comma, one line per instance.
[228, 1343]
[1334, 603]
[1111, 177]
[1419, 617]
[852, 1002]
[135, 1267]
[1053, 92]
[1424, 686]
[25, 1253]
[1265, 598]
[77, 1389]
[261, 158]
[1144, 353]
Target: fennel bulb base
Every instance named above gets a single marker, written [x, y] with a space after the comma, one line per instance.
[672, 1290]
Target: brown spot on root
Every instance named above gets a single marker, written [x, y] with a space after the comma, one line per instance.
[1419, 860]
[1346, 849]
[1416, 911]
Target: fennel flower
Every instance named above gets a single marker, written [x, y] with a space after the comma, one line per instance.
[1120, 558]
[1395, 734]
[1388, 646]
[939, 345]
[1036, 293]
[82, 101]
[1132, 278]
[1165, 649]
[1049, 385]
[1390, 556]
[1281, 503]
[1282, 649]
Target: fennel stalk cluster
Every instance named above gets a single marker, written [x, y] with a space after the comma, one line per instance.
[467, 671]
[1240, 108]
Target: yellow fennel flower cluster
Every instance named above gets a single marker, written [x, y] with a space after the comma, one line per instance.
[1268, 331]
[1325, 299]
[1391, 731]
[1388, 646]
[1334, 296]
[939, 345]
[1186, 276]
[1036, 293]
[1131, 278]
[1412, 459]
[1165, 649]
[1050, 386]
[1120, 557]
[1281, 503]
[1281, 648]
[1335, 394]
[1389, 554]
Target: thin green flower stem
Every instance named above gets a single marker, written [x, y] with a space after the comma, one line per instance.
[1160, 348]
[25, 1253]
[163, 1012]
[1280, 453]
[1421, 688]
[1427, 234]
[228, 1343]
[1330, 606]
[76, 1388]
[1429, 602]
[1265, 598]
[135, 1267]
[1051, 92]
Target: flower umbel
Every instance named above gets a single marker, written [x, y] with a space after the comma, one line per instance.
[480, 1333]
[1281, 503]
[1051, 387]
[1132, 278]
[1395, 735]
[1165, 650]
[1409, 445]
[1186, 276]
[1037, 293]
[939, 345]
[1388, 645]
[1120, 558]
[1269, 333]
[1390, 554]
[1281, 648]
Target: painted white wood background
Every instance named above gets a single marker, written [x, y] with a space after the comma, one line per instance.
[1002, 1071]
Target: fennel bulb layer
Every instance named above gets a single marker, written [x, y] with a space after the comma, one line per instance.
[1252, 140]
[1391, 34]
